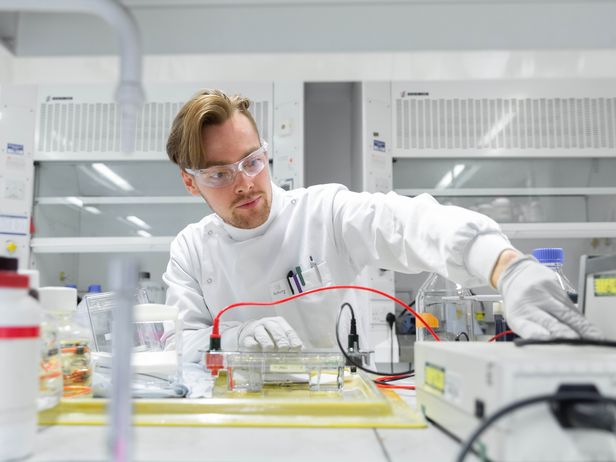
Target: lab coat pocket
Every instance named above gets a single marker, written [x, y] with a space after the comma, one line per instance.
[313, 316]
[317, 276]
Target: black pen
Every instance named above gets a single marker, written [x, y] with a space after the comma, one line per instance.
[289, 277]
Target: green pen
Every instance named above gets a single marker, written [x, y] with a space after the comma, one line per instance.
[298, 270]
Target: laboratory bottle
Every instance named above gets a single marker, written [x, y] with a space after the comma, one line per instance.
[553, 258]
[50, 370]
[446, 308]
[95, 289]
[20, 318]
[74, 340]
[155, 292]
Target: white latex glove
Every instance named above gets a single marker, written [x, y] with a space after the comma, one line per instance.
[536, 306]
[268, 334]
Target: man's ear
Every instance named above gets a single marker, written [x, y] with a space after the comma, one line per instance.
[190, 183]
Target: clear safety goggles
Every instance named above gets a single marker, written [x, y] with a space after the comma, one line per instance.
[220, 176]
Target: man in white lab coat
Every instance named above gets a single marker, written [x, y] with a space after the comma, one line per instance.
[263, 243]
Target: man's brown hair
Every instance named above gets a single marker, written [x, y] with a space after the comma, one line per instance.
[208, 107]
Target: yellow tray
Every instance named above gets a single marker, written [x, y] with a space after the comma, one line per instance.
[361, 405]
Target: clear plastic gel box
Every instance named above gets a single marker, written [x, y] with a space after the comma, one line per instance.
[318, 371]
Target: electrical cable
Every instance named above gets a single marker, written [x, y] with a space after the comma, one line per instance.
[500, 334]
[403, 312]
[457, 338]
[568, 396]
[351, 361]
[215, 335]
[391, 321]
[395, 387]
[391, 351]
[393, 378]
[566, 341]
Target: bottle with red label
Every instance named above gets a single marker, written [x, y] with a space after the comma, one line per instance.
[20, 318]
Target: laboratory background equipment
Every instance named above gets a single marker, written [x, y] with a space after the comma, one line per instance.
[20, 318]
[74, 340]
[149, 355]
[154, 290]
[453, 311]
[459, 384]
[51, 383]
[95, 311]
[150, 321]
[597, 292]
[554, 258]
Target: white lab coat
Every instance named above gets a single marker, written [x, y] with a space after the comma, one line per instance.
[213, 264]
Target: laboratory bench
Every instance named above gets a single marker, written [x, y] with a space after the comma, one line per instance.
[157, 443]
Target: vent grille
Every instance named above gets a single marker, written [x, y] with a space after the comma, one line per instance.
[95, 127]
[541, 123]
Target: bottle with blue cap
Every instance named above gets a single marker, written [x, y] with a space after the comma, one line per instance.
[553, 258]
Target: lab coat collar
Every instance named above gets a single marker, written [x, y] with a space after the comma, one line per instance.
[239, 234]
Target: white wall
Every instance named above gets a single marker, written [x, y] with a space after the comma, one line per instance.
[323, 67]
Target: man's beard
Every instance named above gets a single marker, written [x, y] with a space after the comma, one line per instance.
[246, 220]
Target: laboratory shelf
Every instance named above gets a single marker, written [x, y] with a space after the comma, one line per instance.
[475, 153]
[559, 230]
[101, 244]
[114, 200]
[88, 157]
[500, 192]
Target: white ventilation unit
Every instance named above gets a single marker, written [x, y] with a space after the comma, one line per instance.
[506, 118]
[84, 119]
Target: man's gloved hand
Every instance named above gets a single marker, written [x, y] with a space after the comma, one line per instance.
[268, 334]
[536, 306]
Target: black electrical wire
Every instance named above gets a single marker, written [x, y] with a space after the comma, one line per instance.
[359, 366]
[457, 338]
[403, 312]
[565, 341]
[566, 396]
[391, 351]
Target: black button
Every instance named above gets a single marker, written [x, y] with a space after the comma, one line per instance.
[479, 409]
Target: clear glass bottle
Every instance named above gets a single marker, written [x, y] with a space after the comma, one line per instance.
[156, 292]
[447, 309]
[50, 374]
[50, 371]
[553, 258]
[74, 340]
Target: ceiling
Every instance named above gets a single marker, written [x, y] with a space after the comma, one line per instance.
[247, 26]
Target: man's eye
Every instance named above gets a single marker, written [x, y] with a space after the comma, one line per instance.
[217, 175]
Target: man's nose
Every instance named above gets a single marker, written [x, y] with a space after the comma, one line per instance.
[243, 183]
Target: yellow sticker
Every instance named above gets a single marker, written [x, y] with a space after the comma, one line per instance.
[480, 315]
[605, 285]
[435, 377]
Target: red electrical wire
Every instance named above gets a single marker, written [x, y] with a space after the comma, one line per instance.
[216, 322]
[387, 378]
[399, 387]
[501, 334]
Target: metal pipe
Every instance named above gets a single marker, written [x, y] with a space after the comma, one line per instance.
[123, 282]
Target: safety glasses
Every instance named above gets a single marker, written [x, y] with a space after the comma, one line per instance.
[224, 175]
